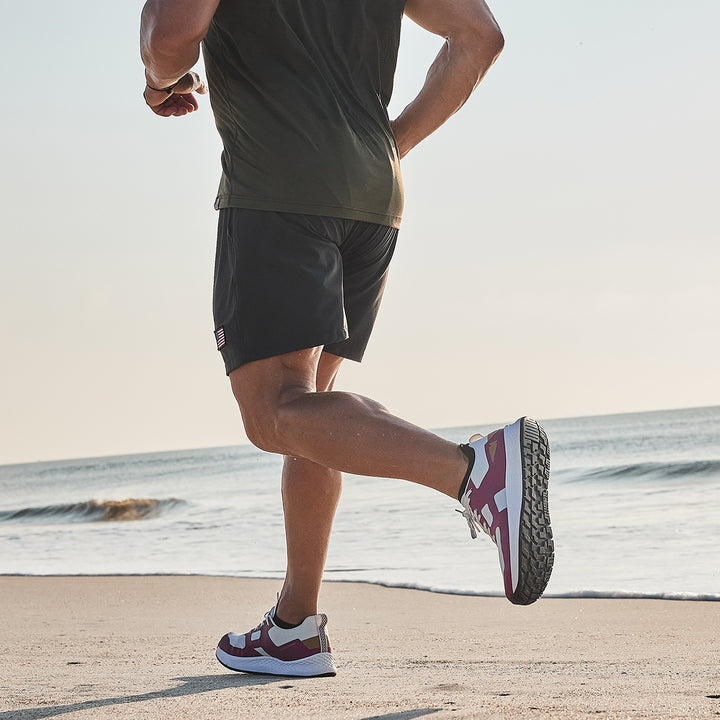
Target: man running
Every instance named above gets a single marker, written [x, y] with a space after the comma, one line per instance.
[310, 202]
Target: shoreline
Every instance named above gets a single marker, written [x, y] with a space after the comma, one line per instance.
[570, 595]
[129, 646]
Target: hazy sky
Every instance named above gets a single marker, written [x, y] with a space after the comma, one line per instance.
[559, 252]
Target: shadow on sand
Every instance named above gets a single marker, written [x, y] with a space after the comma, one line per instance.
[405, 715]
[188, 686]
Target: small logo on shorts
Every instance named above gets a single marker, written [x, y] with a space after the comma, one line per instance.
[220, 337]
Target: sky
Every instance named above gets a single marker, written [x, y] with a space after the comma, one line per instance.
[558, 256]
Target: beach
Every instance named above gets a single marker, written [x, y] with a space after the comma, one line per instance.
[143, 647]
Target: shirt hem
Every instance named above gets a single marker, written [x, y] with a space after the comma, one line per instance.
[336, 211]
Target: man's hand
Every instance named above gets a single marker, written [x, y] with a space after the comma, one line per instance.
[182, 99]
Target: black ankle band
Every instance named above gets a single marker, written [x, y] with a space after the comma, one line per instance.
[285, 625]
[470, 455]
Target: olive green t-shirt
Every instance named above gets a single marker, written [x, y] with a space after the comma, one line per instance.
[300, 89]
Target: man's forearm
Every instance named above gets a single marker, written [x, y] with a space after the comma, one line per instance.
[472, 43]
[170, 35]
[450, 81]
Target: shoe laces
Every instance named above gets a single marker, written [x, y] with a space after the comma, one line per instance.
[474, 521]
[267, 620]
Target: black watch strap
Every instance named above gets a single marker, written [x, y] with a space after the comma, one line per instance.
[169, 89]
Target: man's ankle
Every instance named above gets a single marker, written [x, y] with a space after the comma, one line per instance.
[286, 616]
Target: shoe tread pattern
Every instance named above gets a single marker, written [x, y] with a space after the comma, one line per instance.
[536, 547]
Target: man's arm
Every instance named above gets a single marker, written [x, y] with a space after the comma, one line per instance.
[472, 43]
[170, 35]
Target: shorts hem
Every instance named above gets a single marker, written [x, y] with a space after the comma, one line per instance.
[234, 358]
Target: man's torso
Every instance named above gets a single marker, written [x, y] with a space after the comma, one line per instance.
[300, 91]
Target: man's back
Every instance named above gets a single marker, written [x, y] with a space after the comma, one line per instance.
[300, 91]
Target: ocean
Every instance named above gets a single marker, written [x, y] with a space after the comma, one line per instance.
[634, 502]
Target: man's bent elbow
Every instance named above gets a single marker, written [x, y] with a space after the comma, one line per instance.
[498, 42]
[487, 39]
[478, 33]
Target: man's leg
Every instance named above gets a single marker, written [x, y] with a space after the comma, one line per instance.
[283, 413]
[310, 494]
[504, 493]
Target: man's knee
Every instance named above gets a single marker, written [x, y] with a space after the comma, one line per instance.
[261, 426]
[268, 422]
[260, 433]
[263, 387]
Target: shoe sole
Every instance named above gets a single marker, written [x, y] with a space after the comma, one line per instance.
[535, 549]
[318, 665]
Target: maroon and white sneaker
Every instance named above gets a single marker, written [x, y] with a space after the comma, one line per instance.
[301, 651]
[506, 497]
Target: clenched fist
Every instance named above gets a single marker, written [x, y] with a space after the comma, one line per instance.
[178, 99]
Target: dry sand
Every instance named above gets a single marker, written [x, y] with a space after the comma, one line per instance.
[143, 647]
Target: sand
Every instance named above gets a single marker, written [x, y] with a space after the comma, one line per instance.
[143, 647]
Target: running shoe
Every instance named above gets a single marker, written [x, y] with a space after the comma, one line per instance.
[301, 651]
[506, 497]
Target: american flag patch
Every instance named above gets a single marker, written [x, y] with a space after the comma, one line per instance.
[220, 337]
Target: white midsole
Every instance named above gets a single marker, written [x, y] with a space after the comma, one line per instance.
[318, 664]
[514, 492]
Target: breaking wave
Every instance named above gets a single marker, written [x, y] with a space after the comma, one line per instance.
[651, 470]
[93, 511]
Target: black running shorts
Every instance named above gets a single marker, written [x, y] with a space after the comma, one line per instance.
[286, 282]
